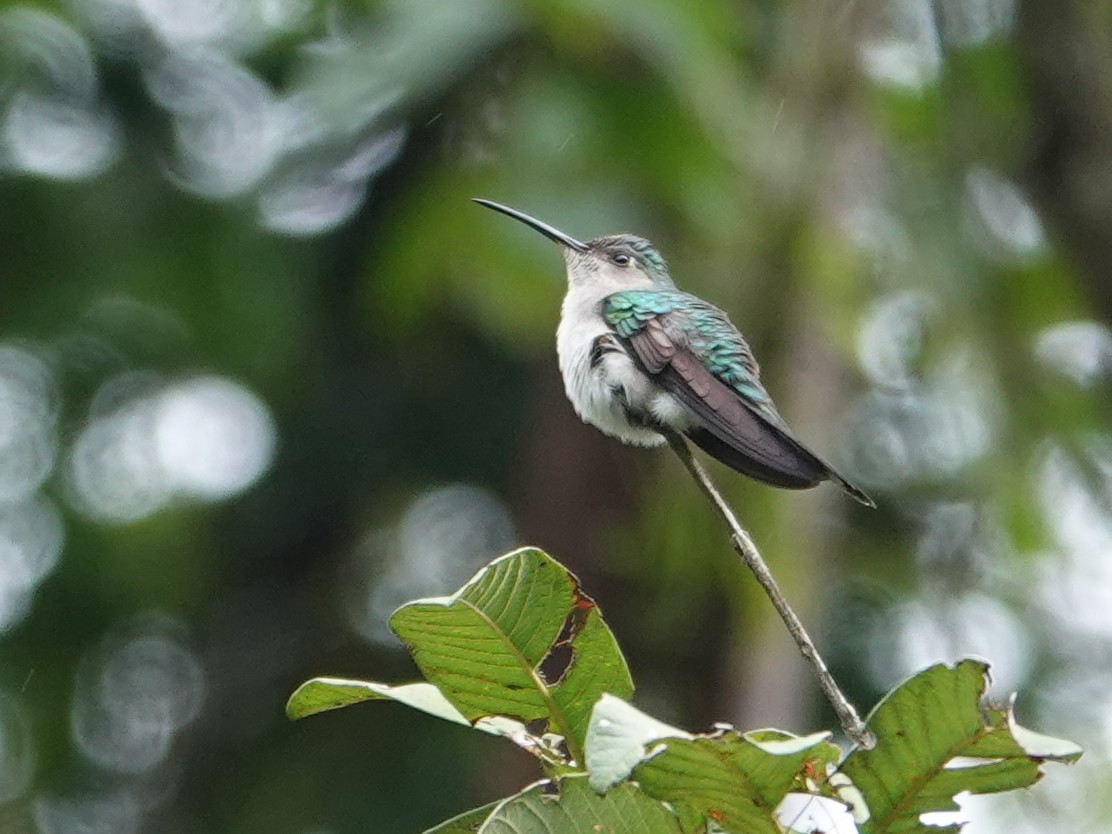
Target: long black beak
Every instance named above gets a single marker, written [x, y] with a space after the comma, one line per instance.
[550, 232]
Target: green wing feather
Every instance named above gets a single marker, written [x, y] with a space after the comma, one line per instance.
[707, 332]
[698, 355]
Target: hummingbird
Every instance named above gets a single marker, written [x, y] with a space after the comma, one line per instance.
[641, 359]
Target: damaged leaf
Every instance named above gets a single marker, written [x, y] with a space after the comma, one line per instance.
[520, 642]
[617, 739]
[483, 647]
[935, 739]
[734, 779]
[572, 807]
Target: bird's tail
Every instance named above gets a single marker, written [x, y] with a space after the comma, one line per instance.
[784, 462]
[856, 493]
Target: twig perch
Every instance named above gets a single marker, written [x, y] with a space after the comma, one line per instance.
[852, 724]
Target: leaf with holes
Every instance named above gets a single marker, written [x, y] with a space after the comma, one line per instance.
[490, 648]
[935, 739]
[735, 780]
[576, 809]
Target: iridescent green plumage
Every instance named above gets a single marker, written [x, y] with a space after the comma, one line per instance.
[707, 331]
[693, 351]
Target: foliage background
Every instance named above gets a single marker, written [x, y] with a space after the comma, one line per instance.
[265, 374]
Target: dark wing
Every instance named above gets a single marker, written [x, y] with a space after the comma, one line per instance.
[695, 353]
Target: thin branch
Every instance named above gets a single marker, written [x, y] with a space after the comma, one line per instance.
[852, 724]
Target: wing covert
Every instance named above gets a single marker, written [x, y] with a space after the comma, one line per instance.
[698, 356]
[673, 321]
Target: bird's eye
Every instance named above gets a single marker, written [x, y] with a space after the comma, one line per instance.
[620, 258]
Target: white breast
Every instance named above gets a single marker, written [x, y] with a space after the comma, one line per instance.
[592, 390]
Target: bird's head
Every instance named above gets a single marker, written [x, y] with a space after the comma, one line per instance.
[613, 260]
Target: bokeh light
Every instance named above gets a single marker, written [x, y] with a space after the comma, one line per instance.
[214, 438]
[206, 438]
[134, 694]
[890, 340]
[906, 52]
[968, 23]
[196, 22]
[441, 539]
[318, 195]
[56, 138]
[926, 418]
[87, 813]
[31, 537]
[1076, 584]
[1000, 218]
[227, 121]
[28, 415]
[932, 431]
[52, 121]
[1080, 350]
[913, 635]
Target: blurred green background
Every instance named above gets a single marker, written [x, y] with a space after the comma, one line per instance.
[265, 373]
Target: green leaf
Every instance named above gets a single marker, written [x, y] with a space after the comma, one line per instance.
[935, 739]
[597, 668]
[735, 780]
[732, 778]
[579, 810]
[322, 694]
[483, 646]
[616, 740]
[468, 822]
